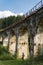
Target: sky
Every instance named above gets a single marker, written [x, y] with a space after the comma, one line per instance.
[14, 7]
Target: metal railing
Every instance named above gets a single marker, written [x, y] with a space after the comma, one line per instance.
[35, 8]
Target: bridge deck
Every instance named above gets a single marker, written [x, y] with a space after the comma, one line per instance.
[27, 15]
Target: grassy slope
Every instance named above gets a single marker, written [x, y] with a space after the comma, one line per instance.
[20, 62]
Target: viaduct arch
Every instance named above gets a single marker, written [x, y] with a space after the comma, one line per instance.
[28, 25]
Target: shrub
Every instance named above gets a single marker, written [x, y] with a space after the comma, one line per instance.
[4, 54]
[3, 50]
[40, 54]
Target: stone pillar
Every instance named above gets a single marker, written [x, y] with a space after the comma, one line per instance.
[17, 35]
[8, 33]
[31, 38]
[2, 37]
[31, 31]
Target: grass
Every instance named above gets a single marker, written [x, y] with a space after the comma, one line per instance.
[21, 62]
[7, 59]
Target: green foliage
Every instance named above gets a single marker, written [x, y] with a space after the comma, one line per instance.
[3, 50]
[40, 54]
[9, 21]
[7, 59]
[4, 54]
[20, 62]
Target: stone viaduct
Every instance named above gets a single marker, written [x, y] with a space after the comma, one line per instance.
[24, 31]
